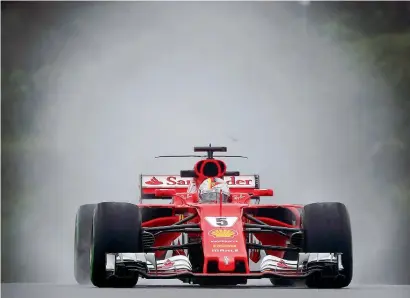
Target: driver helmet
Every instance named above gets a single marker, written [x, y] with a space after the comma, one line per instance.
[211, 190]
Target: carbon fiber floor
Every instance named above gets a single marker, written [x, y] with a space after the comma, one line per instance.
[171, 289]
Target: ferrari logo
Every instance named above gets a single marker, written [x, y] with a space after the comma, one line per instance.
[226, 260]
[223, 233]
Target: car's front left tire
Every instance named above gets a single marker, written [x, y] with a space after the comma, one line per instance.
[327, 230]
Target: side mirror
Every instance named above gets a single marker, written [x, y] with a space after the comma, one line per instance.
[262, 192]
[165, 192]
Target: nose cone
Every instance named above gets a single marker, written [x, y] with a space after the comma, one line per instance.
[223, 239]
[226, 264]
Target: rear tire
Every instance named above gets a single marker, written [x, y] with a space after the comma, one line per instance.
[327, 230]
[116, 229]
[82, 243]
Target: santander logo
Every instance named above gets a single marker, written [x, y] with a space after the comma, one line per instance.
[154, 181]
[173, 181]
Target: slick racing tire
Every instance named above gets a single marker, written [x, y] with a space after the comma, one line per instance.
[82, 243]
[116, 229]
[327, 230]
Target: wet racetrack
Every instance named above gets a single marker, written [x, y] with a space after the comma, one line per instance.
[171, 289]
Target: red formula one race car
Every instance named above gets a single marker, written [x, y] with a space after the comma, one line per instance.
[224, 241]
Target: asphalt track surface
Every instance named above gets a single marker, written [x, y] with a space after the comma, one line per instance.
[171, 289]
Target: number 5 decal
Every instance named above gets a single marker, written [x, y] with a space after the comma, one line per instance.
[223, 222]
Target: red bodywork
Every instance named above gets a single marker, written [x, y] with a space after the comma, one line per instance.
[223, 246]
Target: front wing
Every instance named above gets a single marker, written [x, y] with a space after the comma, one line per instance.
[179, 267]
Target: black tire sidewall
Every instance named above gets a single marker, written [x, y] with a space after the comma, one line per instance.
[327, 229]
[116, 228]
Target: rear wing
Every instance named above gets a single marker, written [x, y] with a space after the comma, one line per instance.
[149, 183]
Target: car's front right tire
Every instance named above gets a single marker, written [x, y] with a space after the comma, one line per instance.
[116, 229]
